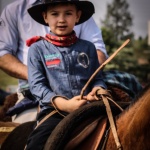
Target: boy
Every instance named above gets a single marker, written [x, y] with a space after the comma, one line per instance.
[60, 64]
[16, 27]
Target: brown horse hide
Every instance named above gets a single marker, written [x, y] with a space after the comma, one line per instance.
[133, 125]
[9, 101]
[16, 140]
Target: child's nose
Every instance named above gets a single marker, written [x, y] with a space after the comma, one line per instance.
[61, 18]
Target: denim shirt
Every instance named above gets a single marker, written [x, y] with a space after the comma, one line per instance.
[62, 71]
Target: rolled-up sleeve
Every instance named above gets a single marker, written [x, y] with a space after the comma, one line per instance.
[38, 82]
[8, 31]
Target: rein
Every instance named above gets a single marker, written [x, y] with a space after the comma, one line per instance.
[104, 95]
[102, 66]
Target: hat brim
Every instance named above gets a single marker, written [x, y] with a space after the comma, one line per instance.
[86, 7]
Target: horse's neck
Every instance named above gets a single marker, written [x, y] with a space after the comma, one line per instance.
[134, 124]
[138, 116]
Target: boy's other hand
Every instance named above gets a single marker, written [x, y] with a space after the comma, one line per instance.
[92, 95]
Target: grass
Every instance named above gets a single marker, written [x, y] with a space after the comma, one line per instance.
[6, 80]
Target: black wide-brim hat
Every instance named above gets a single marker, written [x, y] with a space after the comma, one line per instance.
[86, 7]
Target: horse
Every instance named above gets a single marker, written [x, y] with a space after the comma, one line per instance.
[9, 101]
[3, 94]
[132, 127]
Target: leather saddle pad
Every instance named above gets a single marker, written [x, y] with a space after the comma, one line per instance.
[88, 135]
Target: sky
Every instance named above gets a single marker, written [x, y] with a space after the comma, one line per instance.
[139, 9]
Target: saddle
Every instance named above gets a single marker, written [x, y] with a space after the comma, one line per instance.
[82, 129]
[88, 134]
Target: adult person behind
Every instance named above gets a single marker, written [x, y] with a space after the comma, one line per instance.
[16, 26]
[60, 64]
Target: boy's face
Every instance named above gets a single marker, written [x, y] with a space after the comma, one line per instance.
[62, 18]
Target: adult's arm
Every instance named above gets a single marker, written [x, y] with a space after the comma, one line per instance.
[9, 40]
[101, 56]
[13, 67]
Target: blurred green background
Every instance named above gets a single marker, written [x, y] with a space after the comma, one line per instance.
[7, 83]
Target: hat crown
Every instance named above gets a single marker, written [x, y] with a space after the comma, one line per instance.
[85, 6]
[47, 1]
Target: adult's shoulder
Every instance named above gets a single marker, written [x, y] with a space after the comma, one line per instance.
[13, 5]
[17, 6]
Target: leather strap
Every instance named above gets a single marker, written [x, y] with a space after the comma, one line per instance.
[103, 94]
[102, 66]
[46, 117]
[102, 91]
[82, 135]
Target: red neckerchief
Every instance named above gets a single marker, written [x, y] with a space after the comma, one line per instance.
[63, 40]
[56, 40]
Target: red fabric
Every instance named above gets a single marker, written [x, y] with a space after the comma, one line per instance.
[52, 62]
[56, 40]
[63, 40]
[32, 40]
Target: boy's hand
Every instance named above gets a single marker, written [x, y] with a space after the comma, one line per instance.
[75, 103]
[69, 105]
[92, 95]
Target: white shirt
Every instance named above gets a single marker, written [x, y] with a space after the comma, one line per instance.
[16, 26]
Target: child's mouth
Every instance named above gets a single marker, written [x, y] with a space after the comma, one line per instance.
[62, 27]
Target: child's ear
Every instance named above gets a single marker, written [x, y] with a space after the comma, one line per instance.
[45, 17]
[78, 16]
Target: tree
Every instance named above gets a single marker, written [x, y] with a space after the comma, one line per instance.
[135, 57]
[142, 53]
[118, 19]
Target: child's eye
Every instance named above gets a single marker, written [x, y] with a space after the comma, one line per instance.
[68, 13]
[54, 14]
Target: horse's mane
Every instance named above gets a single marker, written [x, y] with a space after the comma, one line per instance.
[139, 95]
